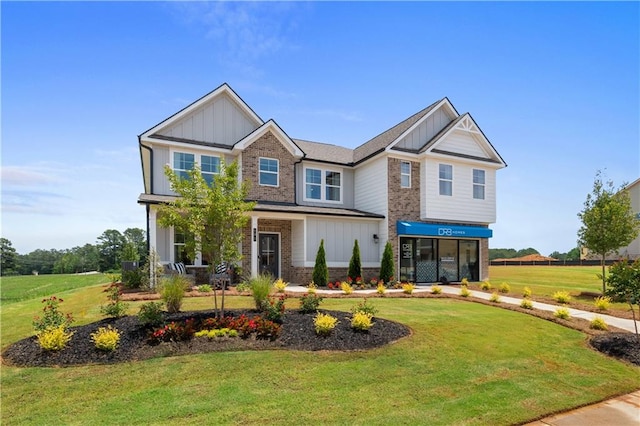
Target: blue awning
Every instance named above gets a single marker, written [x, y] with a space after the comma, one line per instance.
[440, 230]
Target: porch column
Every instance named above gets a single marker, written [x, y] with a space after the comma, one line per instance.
[153, 215]
[254, 246]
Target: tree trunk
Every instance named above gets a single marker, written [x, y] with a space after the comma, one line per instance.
[604, 289]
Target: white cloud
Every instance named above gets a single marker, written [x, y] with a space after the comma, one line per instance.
[30, 175]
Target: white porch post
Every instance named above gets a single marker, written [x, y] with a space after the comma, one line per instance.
[153, 215]
[254, 246]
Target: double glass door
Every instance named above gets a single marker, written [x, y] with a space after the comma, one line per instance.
[425, 260]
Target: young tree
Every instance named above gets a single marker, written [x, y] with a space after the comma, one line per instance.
[8, 257]
[211, 215]
[624, 284]
[387, 265]
[355, 266]
[110, 245]
[608, 222]
[320, 270]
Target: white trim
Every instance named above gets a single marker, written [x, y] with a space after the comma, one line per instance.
[277, 172]
[474, 184]
[277, 131]
[279, 248]
[323, 184]
[440, 179]
[197, 160]
[405, 174]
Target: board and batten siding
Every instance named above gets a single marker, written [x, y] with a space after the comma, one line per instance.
[346, 175]
[220, 121]
[426, 130]
[371, 195]
[297, 243]
[339, 236]
[461, 206]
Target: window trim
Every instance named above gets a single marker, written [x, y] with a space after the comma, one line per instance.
[277, 172]
[440, 180]
[323, 185]
[408, 175]
[197, 159]
[482, 185]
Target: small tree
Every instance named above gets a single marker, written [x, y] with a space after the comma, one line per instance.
[355, 267]
[608, 222]
[8, 257]
[387, 266]
[624, 284]
[320, 270]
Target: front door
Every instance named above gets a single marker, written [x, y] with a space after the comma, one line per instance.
[269, 255]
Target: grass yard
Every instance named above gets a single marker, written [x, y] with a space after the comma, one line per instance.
[546, 280]
[24, 287]
[465, 363]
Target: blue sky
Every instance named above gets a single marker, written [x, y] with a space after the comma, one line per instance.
[554, 86]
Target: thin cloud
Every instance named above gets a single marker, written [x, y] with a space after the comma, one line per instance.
[29, 175]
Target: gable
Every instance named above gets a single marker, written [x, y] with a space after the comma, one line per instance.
[270, 127]
[426, 129]
[219, 118]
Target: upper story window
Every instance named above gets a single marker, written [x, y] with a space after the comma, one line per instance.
[269, 171]
[445, 176]
[183, 162]
[478, 184]
[405, 174]
[322, 185]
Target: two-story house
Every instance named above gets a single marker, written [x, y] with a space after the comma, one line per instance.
[427, 185]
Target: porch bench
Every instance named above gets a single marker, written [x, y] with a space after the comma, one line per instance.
[178, 268]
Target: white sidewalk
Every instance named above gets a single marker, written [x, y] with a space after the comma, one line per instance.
[624, 324]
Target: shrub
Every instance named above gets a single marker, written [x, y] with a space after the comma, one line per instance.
[561, 297]
[436, 289]
[381, 289]
[526, 303]
[114, 277]
[598, 324]
[309, 302]
[320, 271]
[133, 278]
[280, 285]
[495, 298]
[408, 288]
[361, 321]
[324, 323]
[355, 266]
[51, 316]
[602, 303]
[204, 288]
[312, 287]
[485, 285]
[54, 338]
[172, 292]
[346, 288]
[526, 292]
[274, 308]
[562, 313]
[174, 332]
[150, 313]
[260, 289]
[106, 338]
[386, 265]
[243, 287]
[464, 292]
[504, 288]
[365, 308]
[115, 308]
[464, 282]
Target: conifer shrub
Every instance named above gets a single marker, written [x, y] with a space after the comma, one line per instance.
[387, 267]
[355, 266]
[320, 270]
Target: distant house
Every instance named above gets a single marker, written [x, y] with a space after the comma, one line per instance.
[427, 185]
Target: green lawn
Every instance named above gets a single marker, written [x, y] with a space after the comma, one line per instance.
[24, 287]
[545, 280]
[465, 363]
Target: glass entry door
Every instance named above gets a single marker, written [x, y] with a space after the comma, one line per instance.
[269, 255]
[448, 253]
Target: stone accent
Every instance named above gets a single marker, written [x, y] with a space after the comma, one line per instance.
[269, 146]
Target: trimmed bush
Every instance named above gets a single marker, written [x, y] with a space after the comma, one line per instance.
[324, 323]
[387, 266]
[320, 269]
[106, 338]
[355, 267]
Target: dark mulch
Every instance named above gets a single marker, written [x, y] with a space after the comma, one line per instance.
[297, 333]
[624, 346]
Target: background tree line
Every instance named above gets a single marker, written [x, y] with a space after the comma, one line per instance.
[510, 253]
[112, 247]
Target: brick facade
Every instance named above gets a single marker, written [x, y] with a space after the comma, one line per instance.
[282, 227]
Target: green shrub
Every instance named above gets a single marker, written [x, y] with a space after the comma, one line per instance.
[115, 308]
[205, 288]
[260, 289]
[365, 308]
[485, 285]
[274, 308]
[495, 298]
[408, 288]
[346, 287]
[324, 323]
[464, 292]
[133, 278]
[526, 304]
[243, 287]
[361, 321]
[51, 316]
[355, 266]
[387, 266]
[320, 271]
[106, 338]
[562, 313]
[602, 303]
[114, 277]
[150, 313]
[526, 292]
[598, 324]
[309, 302]
[436, 289]
[172, 292]
[504, 288]
[54, 338]
[562, 297]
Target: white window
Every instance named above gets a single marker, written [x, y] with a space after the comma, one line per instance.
[269, 170]
[322, 185]
[183, 162]
[478, 184]
[405, 174]
[446, 179]
[179, 248]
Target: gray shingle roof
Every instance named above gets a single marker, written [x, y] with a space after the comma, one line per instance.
[325, 152]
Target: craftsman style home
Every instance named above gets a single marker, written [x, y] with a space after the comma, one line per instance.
[427, 185]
